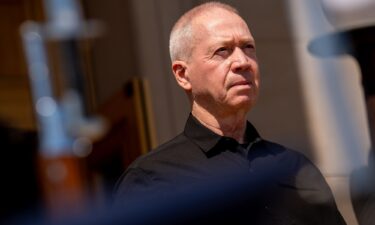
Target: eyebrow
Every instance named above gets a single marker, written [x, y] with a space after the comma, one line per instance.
[226, 41]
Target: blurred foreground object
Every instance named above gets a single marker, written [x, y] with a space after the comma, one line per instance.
[355, 23]
[65, 130]
[349, 14]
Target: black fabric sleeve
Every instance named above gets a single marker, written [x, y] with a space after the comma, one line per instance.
[134, 183]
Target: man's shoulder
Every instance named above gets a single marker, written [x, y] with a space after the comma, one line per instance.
[307, 173]
[284, 152]
[166, 151]
[288, 159]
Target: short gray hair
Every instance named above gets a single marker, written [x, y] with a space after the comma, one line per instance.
[182, 37]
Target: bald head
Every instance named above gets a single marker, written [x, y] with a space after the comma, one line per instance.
[183, 35]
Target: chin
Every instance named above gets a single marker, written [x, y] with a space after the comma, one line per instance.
[244, 104]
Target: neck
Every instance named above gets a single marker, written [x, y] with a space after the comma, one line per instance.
[230, 125]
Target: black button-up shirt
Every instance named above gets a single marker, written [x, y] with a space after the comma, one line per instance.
[207, 179]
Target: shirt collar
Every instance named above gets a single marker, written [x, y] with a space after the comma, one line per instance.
[207, 139]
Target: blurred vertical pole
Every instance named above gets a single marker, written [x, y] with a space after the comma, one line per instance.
[65, 131]
[66, 26]
[334, 99]
[334, 104]
[59, 171]
[354, 35]
[360, 43]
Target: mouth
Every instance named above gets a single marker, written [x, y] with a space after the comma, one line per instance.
[241, 83]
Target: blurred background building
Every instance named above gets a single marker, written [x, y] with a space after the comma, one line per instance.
[310, 104]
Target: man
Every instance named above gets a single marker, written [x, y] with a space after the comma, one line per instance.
[219, 169]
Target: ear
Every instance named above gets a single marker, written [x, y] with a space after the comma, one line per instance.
[179, 69]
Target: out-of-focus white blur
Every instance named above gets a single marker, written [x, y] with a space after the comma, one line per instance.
[349, 14]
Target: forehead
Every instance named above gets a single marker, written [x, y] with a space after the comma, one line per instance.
[219, 24]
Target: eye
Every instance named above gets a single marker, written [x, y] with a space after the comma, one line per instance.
[223, 51]
[248, 48]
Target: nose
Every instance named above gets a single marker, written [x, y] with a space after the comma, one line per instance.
[240, 61]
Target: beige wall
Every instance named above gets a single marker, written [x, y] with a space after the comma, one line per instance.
[113, 53]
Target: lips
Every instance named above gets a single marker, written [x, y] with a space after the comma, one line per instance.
[240, 83]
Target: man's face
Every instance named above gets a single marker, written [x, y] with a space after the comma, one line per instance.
[223, 69]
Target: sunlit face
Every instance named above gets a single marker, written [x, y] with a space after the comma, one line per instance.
[223, 69]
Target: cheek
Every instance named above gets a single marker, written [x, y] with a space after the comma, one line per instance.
[221, 73]
[200, 84]
[210, 78]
